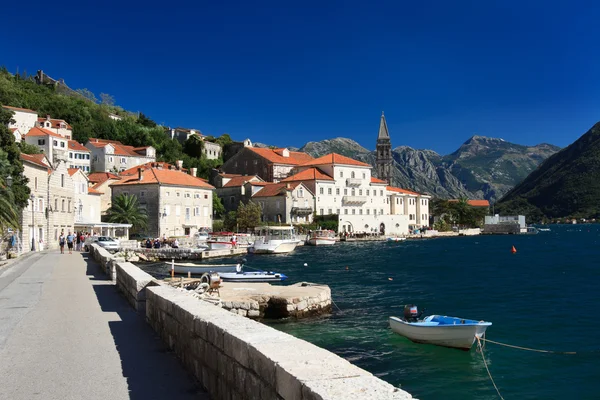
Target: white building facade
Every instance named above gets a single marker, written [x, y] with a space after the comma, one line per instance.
[54, 146]
[79, 156]
[24, 119]
[113, 156]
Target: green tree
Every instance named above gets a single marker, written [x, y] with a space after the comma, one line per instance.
[107, 100]
[145, 121]
[29, 148]
[125, 209]
[193, 146]
[9, 213]
[87, 94]
[14, 167]
[218, 207]
[230, 221]
[248, 215]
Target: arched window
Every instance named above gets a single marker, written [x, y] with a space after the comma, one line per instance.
[62, 207]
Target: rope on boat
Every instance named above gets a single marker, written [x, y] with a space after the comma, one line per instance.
[480, 350]
[527, 348]
[336, 306]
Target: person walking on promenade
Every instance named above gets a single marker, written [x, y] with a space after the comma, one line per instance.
[82, 240]
[70, 238]
[61, 242]
[78, 242]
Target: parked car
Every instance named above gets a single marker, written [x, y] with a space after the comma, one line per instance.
[103, 241]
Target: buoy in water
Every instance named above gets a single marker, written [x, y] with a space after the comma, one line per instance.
[513, 250]
[305, 264]
[347, 268]
[390, 279]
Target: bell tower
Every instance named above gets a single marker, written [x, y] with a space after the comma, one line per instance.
[384, 152]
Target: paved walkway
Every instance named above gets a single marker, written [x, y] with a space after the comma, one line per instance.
[65, 333]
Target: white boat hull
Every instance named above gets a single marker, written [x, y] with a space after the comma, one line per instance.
[396, 239]
[196, 269]
[273, 247]
[219, 245]
[321, 241]
[258, 276]
[455, 336]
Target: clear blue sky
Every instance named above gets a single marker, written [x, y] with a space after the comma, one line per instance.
[285, 73]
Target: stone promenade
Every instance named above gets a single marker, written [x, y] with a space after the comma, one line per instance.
[65, 333]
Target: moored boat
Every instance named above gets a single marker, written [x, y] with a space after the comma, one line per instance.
[322, 237]
[220, 241]
[252, 276]
[274, 240]
[440, 330]
[396, 239]
[199, 269]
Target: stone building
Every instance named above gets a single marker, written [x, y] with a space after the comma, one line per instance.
[383, 152]
[271, 165]
[285, 202]
[100, 183]
[114, 156]
[177, 203]
[61, 204]
[23, 119]
[211, 150]
[54, 146]
[33, 218]
[183, 134]
[234, 189]
[87, 201]
[79, 156]
[58, 126]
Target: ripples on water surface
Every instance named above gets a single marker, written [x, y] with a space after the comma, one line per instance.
[542, 297]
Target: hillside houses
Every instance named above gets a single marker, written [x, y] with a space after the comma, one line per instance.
[114, 156]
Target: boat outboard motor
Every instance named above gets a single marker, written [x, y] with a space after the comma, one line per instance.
[411, 313]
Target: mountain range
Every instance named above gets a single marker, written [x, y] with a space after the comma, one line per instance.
[481, 168]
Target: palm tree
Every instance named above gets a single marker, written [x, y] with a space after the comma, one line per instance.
[9, 216]
[125, 209]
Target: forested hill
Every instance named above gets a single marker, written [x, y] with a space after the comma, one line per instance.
[90, 118]
[567, 184]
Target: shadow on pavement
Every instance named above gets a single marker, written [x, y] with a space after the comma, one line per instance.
[152, 371]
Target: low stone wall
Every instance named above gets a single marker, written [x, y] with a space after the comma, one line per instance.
[105, 259]
[469, 232]
[132, 282]
[129, 244]
[237, 358]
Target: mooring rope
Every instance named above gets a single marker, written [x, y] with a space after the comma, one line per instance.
[527, 348]
[339, 309]
[486, 367]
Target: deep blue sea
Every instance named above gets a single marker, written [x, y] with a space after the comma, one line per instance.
[543, 297]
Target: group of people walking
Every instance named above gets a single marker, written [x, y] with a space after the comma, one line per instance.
[157, 244]
[72, 240]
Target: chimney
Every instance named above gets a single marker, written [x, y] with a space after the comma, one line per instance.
[193, 171]
[140, 174]
[179, 164]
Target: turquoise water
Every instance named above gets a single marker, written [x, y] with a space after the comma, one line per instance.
[544, 297]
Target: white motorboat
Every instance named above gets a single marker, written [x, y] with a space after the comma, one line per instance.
[440, 330]
[220, 241]
[274, 240]
[199, 269]
[252, 276]
[322, 237]
[396, 239]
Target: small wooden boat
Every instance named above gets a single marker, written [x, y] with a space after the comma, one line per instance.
[322, 237]
[396, 239]
[199, 269]
[440, 330]
[252, 276]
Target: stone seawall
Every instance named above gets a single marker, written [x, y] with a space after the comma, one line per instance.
[234, 357]
[106, 260]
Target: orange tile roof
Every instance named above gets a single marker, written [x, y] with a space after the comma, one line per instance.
[37, 159]
[148, 165]
[120, 148]
[54, 122]
[35, 131]
[473, 203]
[334, 158]
[19, 109]
[229, 175]
[164, 177]
[377, 180]
[73, 145]
[101, 177]
[308, 175]
[275, 189]
[274, 156]
[91, 190]
[240, 180]
[72, 171]
[403, 191]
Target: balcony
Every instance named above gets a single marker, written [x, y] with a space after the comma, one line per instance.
[353, 182]
[354, 200]
[301, 211]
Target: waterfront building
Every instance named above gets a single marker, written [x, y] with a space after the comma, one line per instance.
[271, 165]
[86, 200]
[383, 151]
[61, 204]
[234, 189]
[114, 156]
[100, 183]
[177, 203]
[79, 156]
[58, 126]
[53, 145]
[33, 218]
[23, 119]
[285, 202]
[363, 203]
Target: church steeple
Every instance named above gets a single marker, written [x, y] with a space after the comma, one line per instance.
[384, 152]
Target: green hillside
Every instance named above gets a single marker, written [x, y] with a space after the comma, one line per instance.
[567, 184]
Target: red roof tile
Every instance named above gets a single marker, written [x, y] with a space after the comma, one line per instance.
[148, 165]
[309, 175]
[20, 109]
[72, 171]
[101, 177]
[473, 203]
[241, 180]
[54, 122]
[276, 189]
[334, 158]
[73, 145]
[37, 159]
[120, 148]
[403, 191]
[275, 156]
[377, 180]
[42, 132]
[91, 190]
[164, 177]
